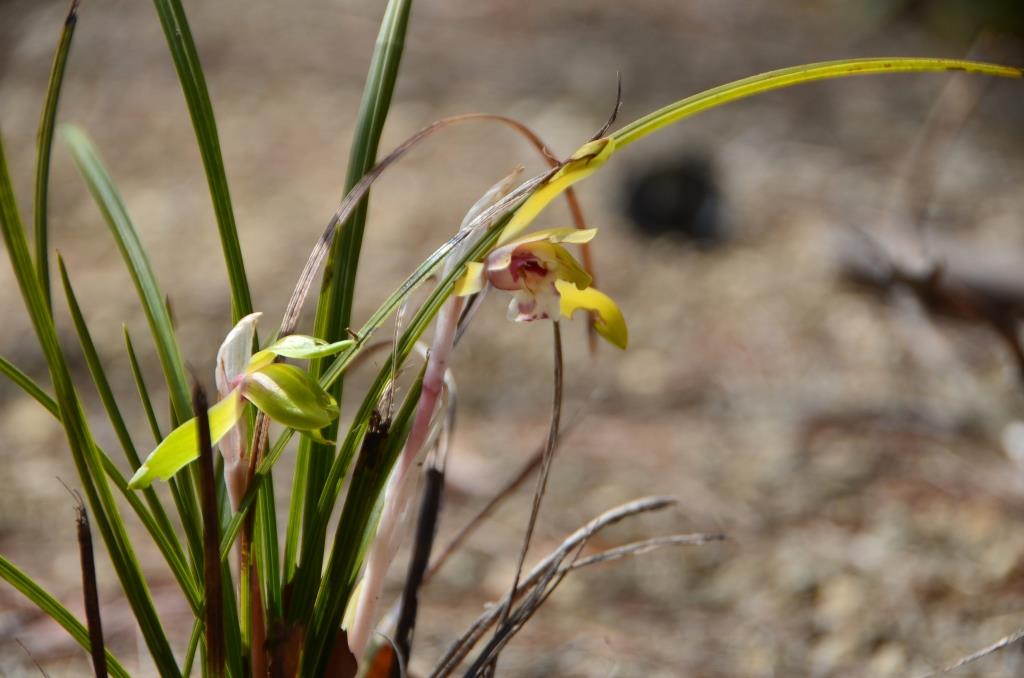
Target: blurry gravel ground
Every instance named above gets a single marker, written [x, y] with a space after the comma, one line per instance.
[849, 449]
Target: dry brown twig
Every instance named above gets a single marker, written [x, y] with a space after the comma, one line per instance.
[545, 468]
[90, 592]
[981, 654]
[548, 568]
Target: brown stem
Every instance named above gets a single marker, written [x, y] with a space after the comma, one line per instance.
[92, 603]
[213, 606]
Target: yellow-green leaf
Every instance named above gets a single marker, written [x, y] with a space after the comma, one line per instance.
[584, 162]
[795, 75]
[182, 445]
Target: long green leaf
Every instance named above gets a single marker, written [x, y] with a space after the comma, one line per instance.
[193, 85]
[181, 445]
[53, 609]
[153, 302]
[416, 328]
[140, 386]
[304, 591]
[45, 147]
[357, 519]
[83, 450]
[170, 549]
[128, 242]
[30, 387]
[159, 521]
[796, 75]
[334, 308]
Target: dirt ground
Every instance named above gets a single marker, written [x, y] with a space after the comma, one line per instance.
[849, 448]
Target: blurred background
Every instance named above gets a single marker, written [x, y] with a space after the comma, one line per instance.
[855, 440]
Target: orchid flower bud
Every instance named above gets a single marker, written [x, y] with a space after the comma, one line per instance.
[283, 392]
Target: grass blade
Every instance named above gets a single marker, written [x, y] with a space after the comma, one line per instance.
[109, 201]
[83, 448]
[426, 530]
[197, 97]
[45, 141]
[545, 468]
[30, 387]
[334, 309]
[125, 234]
[356, 527]
[168, 546]
[161, 522]
[796, 75]
[140, 386]
[53, 609]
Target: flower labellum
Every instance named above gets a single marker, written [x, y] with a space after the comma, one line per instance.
[546, 281]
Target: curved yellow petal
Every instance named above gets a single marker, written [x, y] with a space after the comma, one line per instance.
[570, 269]
[610, 323]
[471, 281]
[578, 236]
[566, 234]
[584, 162]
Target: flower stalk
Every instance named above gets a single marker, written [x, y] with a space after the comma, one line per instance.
[399, 492]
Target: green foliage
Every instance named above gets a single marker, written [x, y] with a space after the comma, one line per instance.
[305, 594]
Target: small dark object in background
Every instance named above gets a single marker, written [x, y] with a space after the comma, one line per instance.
[679, 199]
[950, 19]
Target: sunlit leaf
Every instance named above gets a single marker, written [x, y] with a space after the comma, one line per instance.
[796, 75]
[584, 162]
[182, 445]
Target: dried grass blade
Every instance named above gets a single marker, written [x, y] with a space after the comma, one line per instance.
[646, 546]
[55, 610]
[1000, 644]
[89, 591]
[426, 530]
[545, 467]
[464, 644]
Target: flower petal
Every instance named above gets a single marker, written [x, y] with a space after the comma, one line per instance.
[181, 446]
[233, 355]
[290, 396]
[584, 162]
[610, 324]
[470, 282]
[526, 307]
[570, 269]
[557, 235]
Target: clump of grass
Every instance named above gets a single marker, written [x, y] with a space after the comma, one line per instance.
[284, 612]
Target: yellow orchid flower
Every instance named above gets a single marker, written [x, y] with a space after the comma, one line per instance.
[546, 281]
